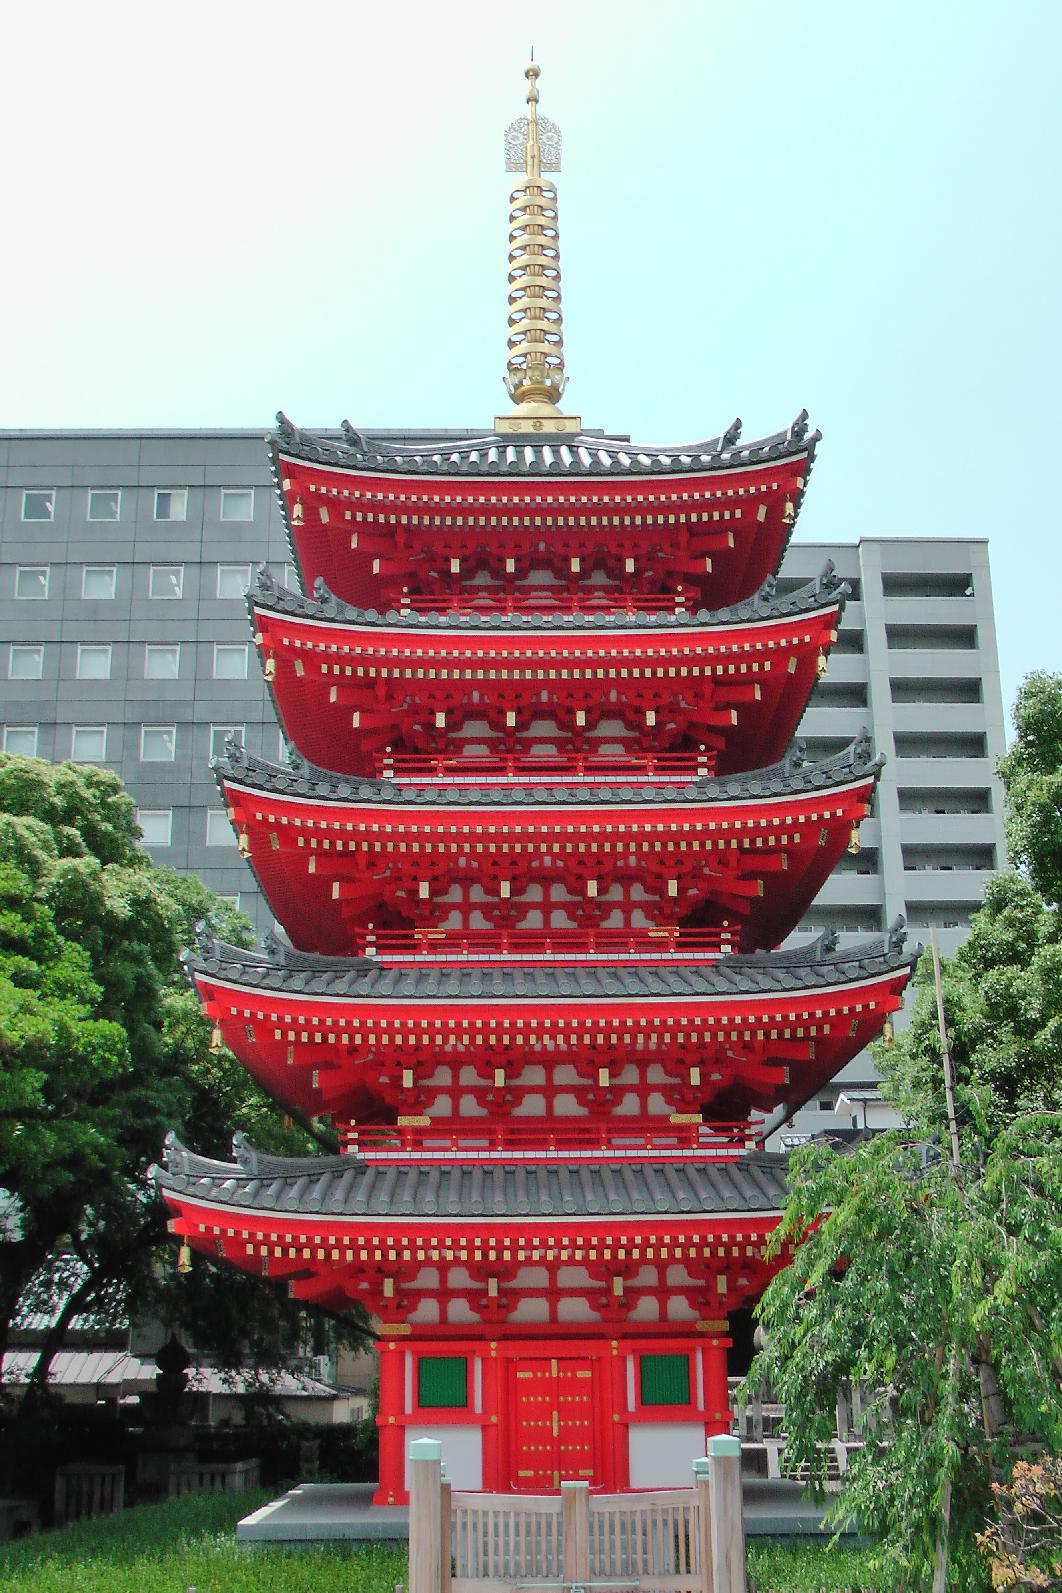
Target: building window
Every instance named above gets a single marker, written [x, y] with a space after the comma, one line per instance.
[230, 660]
[166, 580]
[233, 579]
[21, 740]
[31, 580]
[156, 825]
[93, 660]
[26, 662]
[158, 743]
[219, 734]
[98, 580]
[104, 503]
[291, 578]
[162, 660]
[665, 1379]
[237, 503]
[171, 503]
[38, 503]
[218, 828]
[231, 901]
[88, 743]
[442, 1382]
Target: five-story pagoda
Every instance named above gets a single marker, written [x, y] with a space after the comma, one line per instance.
[541, 828]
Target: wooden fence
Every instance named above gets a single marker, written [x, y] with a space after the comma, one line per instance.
[87, 1490]
[677, 1540]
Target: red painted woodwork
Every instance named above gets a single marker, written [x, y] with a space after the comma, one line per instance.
[351, 695]
[331, 867]
[438, 1275]
[553, 1436]
[718, 532]
[540, 674]
[374, 1060]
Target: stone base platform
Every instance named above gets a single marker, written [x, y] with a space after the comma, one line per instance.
[343, 1512]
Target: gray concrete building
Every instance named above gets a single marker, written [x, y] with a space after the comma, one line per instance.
[123, 560]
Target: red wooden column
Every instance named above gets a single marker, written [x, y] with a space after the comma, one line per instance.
[494, 1476]
[716, 1393]
[391, 1489]
[616, 1433]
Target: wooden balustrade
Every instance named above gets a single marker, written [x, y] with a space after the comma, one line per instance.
[533, 1139]
[675, 1540]
[87, 1490]
[663, 943]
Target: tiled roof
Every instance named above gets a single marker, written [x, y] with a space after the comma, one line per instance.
[585, 454]
[762, 607]
[344, 1186]
[791, 777]
[817, 965]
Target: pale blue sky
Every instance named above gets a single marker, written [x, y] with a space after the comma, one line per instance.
[218, 210]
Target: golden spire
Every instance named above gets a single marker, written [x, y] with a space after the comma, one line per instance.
[535, 379]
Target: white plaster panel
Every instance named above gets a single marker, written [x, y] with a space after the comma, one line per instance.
[662, 1453]
[679, 1309]
[646, 1310]
[574, 1309]
[462, 1453]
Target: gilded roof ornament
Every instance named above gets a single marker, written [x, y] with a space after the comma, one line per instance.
[535, 378]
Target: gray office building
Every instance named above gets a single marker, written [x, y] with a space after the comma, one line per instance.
[123, 561]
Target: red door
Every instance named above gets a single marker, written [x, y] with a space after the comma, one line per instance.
[552, 1424]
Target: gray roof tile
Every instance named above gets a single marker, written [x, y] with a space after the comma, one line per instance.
[344, 1186]
[581, 455]
[816, 965]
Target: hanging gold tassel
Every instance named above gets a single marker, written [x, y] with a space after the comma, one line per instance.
[788, 513]
[820, 665]
[216, 1041]
[855, 846]
[244, 847]
[184, 1258]
[888, 1033]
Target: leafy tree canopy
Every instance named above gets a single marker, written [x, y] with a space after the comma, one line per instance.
[103, 1049]
[935, 1280]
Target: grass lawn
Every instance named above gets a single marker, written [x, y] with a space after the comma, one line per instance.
[190, 1543]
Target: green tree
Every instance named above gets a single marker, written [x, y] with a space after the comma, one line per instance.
[104, 1050]
[928, 1267]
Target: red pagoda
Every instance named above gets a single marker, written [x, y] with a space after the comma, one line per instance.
[541, 829]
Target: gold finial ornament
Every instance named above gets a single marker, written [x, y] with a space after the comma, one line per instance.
[535, 378]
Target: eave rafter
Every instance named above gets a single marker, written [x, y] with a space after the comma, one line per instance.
[370, 516]
[354, 688]
[743, 857]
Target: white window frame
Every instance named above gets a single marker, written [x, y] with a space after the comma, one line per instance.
[232, 492]
[113, 593]
[171, 731]
[156, 813]
[219, 733]
[160, 647]
[33, 597]
[39, 519]
[26, 647]
[165, 597]
[245, 581]
[94, 647]
[230, 647]
[175, 519]
[217, 816]
[21, 730]
[106, 519]
[232, 901]
[81, 757]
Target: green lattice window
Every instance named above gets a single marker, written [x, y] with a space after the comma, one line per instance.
[665, 1379]
[442, 1381]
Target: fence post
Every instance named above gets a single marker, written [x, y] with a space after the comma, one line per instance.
[704, 1525]
[425, 1516]
[728, 1523]
[575, 1518]
[445, 1545]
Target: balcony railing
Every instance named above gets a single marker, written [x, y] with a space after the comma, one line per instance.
[534, 1140]
[545, 945]
[544, 600]
[663, 768]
